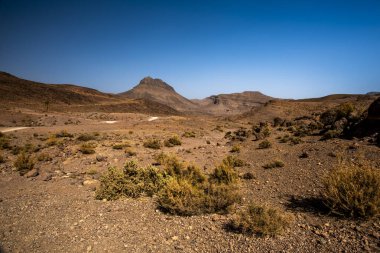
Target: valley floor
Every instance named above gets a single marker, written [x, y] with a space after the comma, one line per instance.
[55, 210]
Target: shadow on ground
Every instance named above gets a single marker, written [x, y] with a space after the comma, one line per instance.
[307, 204]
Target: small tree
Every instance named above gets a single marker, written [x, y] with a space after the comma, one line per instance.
[47, 103]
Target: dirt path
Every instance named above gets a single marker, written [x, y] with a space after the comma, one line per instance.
[152, 118]
[11, 129]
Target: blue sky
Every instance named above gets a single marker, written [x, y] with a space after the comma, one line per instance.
[283, 48]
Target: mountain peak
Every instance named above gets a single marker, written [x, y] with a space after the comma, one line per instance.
[154, 82]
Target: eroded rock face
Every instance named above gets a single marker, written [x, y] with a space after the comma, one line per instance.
[370, 125]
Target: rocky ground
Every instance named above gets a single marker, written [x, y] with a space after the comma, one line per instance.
[53, 208]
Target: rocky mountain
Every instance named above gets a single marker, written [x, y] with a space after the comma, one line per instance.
[235, 103]
[158, 91]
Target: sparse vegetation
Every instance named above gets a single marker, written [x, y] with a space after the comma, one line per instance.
[352, 190]
[131, 181]
[120, 146]
[44, 157]
[260, 221]
[63, 134]
[4, 142]
[181, 189]
[2, 159]
[24, 163]
[87, 148]
[265, 144]
[130, 152]
[188, 134]
[173, 141]
[233, 161]
[52, 141]
[248, 176]
[275, 164]
[235, 149]
[153, 144]
[87, 137]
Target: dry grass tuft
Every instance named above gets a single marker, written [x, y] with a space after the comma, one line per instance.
[24, 163]
[352, 190]
[173, 141]
[260, 221]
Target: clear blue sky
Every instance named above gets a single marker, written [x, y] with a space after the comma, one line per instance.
[283, 48]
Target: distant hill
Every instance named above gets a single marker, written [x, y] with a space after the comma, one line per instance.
[16, 92]
[235, 103]
[158, 91]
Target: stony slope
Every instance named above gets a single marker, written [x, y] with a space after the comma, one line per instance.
[235, 103]
[20, 93]
[158, 91]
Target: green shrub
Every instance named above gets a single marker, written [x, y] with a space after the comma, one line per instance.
[352, 190]
[173, 141]
[87, 148]
[153, 144]
[131, 181]
[265, 144]
[260, 221]
[275, 164]
[24, 163]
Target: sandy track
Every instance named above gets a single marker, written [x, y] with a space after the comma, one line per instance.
[11, 129]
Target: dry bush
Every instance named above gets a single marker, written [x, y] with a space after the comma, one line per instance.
[2, 159]
[235, 149]
[224, 174]
[131, 181]
[120, 146]
[87, 148]
[129, 152]
[63, 134]
[152, 143]
[173, 141]
[188, 134]
[52, 141]
[24, 163]
[44, 157]
[181, 189]
[352, 190]
[190, 192]
[181, 197]
[87, 137]
[233, 161]
[248, 176]
[265, 144]
[4, 142]
[331, 134]
[275, 164]
[260, 221]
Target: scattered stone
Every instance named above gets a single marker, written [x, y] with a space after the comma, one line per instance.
[32, 173]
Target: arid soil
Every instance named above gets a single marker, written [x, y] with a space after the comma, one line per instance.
[55, 210]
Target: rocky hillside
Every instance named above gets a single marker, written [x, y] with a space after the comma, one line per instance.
[158, 91]
[19, 93]
[235, 103]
